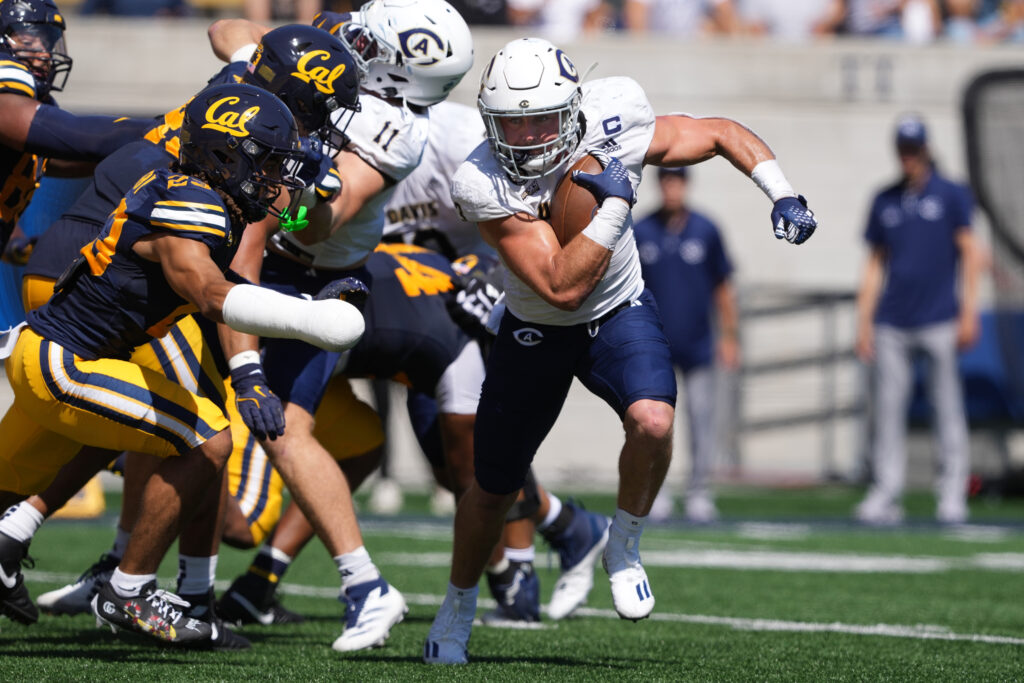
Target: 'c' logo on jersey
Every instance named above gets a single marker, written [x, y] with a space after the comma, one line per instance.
[528, 336]
[566, 66]
[320, 76]
[230, 122]
[422, 44]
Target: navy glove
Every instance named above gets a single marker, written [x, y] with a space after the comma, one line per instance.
[472, 305]
[792, 220]
[260, 409]
[312, 161]
[350, 289]
[613, 181]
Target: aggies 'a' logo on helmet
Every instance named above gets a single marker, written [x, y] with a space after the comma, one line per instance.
[220, 116]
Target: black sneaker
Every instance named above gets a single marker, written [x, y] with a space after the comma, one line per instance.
[202, 607]
[76, 598]
[15, 602]
[155, 613]
[253, 600]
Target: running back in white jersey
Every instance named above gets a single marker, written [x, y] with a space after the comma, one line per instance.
[390, 138]
[423, 201]
[618, 120]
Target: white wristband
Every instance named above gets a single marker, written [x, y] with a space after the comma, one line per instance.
[243, 358]
[243, 54]
[605, 227]
[769, 177]
[330, 324]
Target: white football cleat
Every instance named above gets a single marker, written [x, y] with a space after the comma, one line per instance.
[578, 550]
[448, 639]
[76, 598]
[372, 608]
[631, 591]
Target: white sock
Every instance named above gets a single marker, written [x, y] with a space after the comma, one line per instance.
[120, 542]
[196, 574]
[520, 554]
[21, 522]
[129, 585]
[556, 507]
[625, 532]
[463, 600]
[356, 567]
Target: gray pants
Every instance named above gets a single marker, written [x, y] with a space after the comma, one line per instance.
[699, 388]
[893, 383]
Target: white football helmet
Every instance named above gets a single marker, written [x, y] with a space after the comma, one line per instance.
[531, 77]
[414, 49]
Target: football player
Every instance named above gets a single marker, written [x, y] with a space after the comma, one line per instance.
[33, 130]
[579, 309]
[182, 355]
[412, 53]
[162, 254]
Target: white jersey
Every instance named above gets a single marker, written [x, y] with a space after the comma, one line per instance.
[390, 138]
[423, 200]
[620, 121]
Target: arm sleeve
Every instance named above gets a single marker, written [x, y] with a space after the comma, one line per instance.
[720, 258]
[964, 208]
[62, 135]
[874, 234]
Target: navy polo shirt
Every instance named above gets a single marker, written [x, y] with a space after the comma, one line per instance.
[918, 232]
[682, 271]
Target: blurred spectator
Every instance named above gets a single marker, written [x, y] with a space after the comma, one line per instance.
[686, 267]
[682, 18]
[482, 12]
[919, 234]
[299, 11]
[559, 21]
[785, 20]
[916, 21]
[136, 8]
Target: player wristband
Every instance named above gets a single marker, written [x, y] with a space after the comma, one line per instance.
[605, 227]
[769, 177]
[243, 358]
[330, 324]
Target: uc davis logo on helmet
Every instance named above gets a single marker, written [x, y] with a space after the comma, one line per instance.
[318, 74]
[228, 120]
[422, 44]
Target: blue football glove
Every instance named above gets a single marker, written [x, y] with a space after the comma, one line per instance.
[311, 161]
[613, 181]
[349, 289]
[792, 220]
[260, 409]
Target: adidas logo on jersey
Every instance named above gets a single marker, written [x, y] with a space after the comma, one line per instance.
[610, 145]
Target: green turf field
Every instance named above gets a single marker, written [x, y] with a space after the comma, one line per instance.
[784, 589]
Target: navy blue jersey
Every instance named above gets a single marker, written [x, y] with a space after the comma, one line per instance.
[19, 171]
[918, 233]
[112, 180]
[117, 300]
[682, 270]
[409, 334]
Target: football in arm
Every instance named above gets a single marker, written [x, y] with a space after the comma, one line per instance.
[572, 206]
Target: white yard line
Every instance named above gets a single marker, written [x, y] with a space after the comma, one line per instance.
[917, 631]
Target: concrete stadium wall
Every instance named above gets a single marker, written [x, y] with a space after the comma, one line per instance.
[827, 110]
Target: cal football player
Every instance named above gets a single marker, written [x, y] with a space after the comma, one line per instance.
[33, 64]
[412, 53]
[579, 310]
[182, 355]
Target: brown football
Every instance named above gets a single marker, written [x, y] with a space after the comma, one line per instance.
[572, 206]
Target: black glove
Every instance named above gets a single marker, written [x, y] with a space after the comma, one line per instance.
[472, 304]
[613, 181]
[349, 289]
[260, 409]
[792, 220]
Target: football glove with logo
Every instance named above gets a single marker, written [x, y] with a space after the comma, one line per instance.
[792, 220]
[613, 181]
[260, 409]
[349, 289]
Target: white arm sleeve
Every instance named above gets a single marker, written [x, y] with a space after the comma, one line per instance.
[330, 324]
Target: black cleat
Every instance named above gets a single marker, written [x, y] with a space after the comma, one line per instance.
[202, 607]
[253, 600]
[15, 602]
[155, 613]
